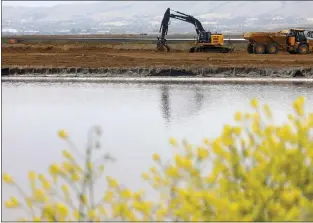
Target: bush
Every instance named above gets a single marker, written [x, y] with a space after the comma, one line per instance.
[254, 171]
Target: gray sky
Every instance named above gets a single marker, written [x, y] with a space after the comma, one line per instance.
[39, 3]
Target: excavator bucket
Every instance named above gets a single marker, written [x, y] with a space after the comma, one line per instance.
[162, 46]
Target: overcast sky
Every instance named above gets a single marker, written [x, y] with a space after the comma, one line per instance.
[39, 3]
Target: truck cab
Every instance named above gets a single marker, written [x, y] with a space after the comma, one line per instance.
[297, 41]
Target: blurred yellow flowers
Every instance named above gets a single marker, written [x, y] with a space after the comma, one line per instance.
[62, 134]
[7, 178]
[254, 170]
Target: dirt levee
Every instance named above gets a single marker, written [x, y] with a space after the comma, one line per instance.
[96, 56]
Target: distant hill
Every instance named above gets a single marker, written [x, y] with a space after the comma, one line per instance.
[145, 17]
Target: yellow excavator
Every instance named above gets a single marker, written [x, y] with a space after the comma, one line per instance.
[205, 42]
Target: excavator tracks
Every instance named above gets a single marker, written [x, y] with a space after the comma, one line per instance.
[211, 49]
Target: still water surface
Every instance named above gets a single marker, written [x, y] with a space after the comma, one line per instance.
[137, 120]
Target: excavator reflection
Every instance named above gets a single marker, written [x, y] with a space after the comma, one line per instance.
[170, 109]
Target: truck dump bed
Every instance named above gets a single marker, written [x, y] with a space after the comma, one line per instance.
[266, 37]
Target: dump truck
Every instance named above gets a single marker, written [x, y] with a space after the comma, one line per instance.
[294, 41]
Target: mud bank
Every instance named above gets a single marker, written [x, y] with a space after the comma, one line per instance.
[154, 80]
[159, 72]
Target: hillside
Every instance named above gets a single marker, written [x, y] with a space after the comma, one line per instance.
[141, 16]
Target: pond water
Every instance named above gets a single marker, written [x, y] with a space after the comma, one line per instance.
[137, 121]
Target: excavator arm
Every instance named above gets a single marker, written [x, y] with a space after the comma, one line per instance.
[165, 23]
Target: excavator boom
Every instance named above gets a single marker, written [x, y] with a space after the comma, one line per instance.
[165, 23]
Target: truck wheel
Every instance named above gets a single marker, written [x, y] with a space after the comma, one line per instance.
[259, 48]
[303, 49]
[272, 48]
[250, 48]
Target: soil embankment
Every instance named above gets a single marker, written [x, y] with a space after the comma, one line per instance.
[140, 60]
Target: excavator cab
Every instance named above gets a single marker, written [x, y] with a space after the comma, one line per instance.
[209, 39]
[204, 37]
[297, 42]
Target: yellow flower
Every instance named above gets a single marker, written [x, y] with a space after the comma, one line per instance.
[66, 192]
[112, 182]
[145, 176]
[298, 106]
[76, 214]
[172, 172]
[75, 177]
[91, 214]
[183, 162]
[268, 111]
[64, 188]
[202, 153]
[173, 141]
[126, 194]
[61, 209]
[160, 214]
[237, 131]
[254, 103]
[12, 203]
[29, 202]
[153, 170]
[32, 175]
[289, 197]
[119, 209]
[156, 157]
[89, 165]
[102, 210]
[83, 199]
[108, 196]
[39, 195]
[37, 219]
[8, 204]
[238, 116]
[206, 141]
[48, 212]
[138, 195]
[301, 100]
[68, 167]
[45, 183]
[15, 201]
[67, 154]
[54, 169]
[63, 134]
[8, 179]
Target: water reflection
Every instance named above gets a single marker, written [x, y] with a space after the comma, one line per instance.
[199, 98]
[194, 99]
[165, 106]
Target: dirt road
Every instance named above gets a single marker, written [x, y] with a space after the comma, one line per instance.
[107, 56]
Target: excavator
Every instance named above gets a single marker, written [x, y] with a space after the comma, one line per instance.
[205, 41]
